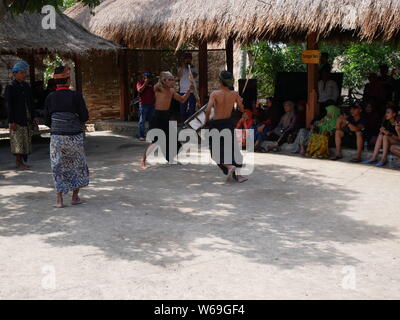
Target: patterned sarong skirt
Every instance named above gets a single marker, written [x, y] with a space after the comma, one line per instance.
[68, 162]
[21, 140]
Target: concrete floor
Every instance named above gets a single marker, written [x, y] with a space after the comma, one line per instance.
[299, 229]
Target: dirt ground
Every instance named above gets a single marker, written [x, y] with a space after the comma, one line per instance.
[298, 229]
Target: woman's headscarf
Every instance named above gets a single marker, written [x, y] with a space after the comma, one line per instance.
[329, 124]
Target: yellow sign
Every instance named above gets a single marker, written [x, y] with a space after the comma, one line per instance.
[311, 56]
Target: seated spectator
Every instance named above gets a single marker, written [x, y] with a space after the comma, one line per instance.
[261, 126]
[245, 123]
[387, 137]
[350, 129]
[286, 128]
[324, 127]
[395, 148]
[373, 122]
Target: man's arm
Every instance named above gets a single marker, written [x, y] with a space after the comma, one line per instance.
[210, 105]
[140, 88]
[357, 128]
[82, 109]
[179, 98]
[195, 73]
[239, 102]
[10, 108]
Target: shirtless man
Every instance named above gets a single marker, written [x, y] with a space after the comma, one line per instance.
[222, 101]
[164, 92]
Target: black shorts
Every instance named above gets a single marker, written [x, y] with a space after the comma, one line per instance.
[350, 138]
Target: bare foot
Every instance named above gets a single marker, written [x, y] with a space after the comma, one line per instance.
[22, 167]
[76, 201]
[241, 179]
[59, 205]
[231, 171]
[143, 165]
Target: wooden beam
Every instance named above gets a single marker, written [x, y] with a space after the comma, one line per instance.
[229, 54]
[78, 74]
[203, 72]
[312, 82]
[123, 81]
[32, 76]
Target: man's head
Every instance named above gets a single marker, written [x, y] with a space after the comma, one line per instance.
[226, 79]
[288, 106]
[62, 76]
[146, 73]
[355, 110]
[167, 79]
[20, 71]
[187, 58]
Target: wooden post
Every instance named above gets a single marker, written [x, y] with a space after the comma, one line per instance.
[32, 76]
[312, 82]
[123, 83]
[78, 74]
[229, 54]
[203, 72]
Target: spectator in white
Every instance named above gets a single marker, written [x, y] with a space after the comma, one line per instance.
[187, 108]
[328, 91]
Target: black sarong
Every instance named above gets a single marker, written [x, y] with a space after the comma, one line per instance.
[160, 120]
[235, 158]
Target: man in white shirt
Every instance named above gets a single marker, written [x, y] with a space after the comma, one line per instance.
[327, 88]
[188, 108]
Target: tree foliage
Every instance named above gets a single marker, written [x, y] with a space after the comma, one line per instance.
[19, 6]
[355, 60]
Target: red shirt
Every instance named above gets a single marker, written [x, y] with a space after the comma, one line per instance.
[147, 96]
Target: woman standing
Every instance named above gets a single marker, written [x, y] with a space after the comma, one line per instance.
[65, 114]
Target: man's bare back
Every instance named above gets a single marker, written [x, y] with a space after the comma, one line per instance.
[223, 101]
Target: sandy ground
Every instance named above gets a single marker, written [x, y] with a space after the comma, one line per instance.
[299, 229]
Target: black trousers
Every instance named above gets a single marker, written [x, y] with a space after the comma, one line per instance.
[235, 158]
[160, 120]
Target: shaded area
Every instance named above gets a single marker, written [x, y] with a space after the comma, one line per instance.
[285, 216]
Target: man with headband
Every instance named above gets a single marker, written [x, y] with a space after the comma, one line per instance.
[164, 92]
[223, 101]
[18, 101]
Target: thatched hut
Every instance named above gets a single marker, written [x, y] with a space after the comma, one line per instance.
[23, 35]
[154, 24]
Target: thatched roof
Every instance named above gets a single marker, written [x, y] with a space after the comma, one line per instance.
[23, 33]
[154, 23]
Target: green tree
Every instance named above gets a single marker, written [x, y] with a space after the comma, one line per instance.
[19, 6]
[273, 58]
[354, 60]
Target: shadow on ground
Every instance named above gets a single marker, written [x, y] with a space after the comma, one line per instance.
[284, 216]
